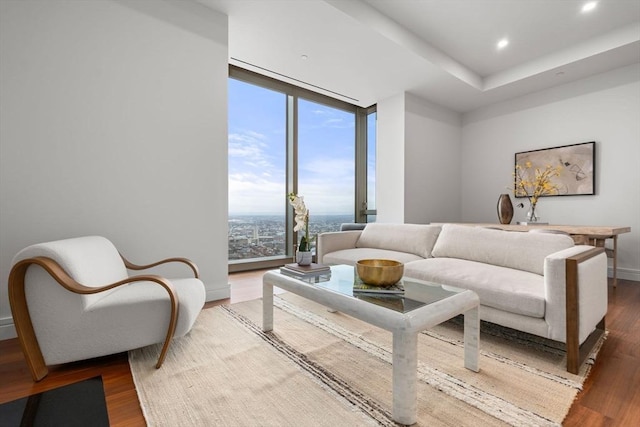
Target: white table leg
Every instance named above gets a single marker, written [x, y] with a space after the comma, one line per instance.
[471, 339]
[267, 307]
[405, 377]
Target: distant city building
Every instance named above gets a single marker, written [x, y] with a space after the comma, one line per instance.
[259, 236]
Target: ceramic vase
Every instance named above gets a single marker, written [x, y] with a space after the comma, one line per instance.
[304, 257]
[505, 209]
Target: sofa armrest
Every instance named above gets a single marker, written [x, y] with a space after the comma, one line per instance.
[335, 241]
[576, 296]
[591, 297]
[584, 309]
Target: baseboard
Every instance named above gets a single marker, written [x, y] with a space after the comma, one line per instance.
[7, 329]
[218, 293]
[626, 274]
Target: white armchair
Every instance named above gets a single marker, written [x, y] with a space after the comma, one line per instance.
[73, 300]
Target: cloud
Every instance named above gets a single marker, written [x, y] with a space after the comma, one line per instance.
[327, 185]
[251, 193]
[257, 183]
[249, 149]
[329, 118]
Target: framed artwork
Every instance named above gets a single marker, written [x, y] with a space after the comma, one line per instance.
[575, 165]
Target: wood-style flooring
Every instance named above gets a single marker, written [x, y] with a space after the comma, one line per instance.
[611, 396]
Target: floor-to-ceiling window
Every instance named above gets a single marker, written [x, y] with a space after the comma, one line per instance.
[326, 164]
[281, 139]
[257, 171]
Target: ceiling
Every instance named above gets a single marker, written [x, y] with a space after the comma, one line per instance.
[363, 51]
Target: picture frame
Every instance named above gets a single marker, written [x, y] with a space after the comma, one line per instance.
[577, 167]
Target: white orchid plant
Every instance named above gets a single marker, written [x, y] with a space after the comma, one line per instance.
[302, 220]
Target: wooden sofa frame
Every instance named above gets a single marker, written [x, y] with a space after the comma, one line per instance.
[577, 353]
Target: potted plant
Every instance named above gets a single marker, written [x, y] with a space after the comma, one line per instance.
[303, 254]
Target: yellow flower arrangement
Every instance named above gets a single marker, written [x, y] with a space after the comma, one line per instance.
[533, 183]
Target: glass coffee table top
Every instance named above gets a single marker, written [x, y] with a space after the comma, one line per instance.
[417, 293]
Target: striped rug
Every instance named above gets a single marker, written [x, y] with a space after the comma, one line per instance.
[327, 369]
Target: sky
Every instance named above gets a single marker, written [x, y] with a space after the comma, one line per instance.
[257, 144]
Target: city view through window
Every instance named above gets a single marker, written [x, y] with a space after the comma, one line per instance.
[258, 164]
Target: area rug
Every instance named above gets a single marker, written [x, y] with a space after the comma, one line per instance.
[319, 368]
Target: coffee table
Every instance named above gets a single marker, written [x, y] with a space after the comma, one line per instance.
[422, 306]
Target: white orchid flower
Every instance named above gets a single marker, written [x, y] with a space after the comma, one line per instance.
[301, 218]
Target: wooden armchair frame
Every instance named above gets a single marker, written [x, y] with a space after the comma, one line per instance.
[22, 318]
[575, 352]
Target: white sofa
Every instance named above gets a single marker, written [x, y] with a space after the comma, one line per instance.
[533, 282]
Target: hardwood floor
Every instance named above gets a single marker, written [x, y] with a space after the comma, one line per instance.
[611, 396]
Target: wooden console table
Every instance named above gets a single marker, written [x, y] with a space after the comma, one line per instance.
[581, 234]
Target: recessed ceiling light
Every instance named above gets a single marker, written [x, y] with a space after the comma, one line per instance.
[304, 57]
[502, 43]
[589, 6]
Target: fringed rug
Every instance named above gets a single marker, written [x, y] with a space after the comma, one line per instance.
[319, 368]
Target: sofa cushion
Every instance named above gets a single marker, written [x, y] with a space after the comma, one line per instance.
[351, 256]
[507, 289]
[417, 239]
[522, 251]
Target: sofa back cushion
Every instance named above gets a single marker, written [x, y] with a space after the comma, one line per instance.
[522, 251]
[417, 239]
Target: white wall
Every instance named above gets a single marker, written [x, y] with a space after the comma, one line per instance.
[390, 146]
[604, 108]
[432, 162]
[418, 147]
[113, 122]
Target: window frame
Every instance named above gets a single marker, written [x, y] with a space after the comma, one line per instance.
[293, 93]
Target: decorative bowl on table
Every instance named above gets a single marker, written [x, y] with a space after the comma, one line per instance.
[380, 272]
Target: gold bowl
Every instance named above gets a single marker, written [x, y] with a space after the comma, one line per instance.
[380, 272]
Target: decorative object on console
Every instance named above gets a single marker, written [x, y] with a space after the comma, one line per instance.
[505, 209]
[533, 183]
[303, 254]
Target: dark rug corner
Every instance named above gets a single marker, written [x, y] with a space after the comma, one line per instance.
[80, 404]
